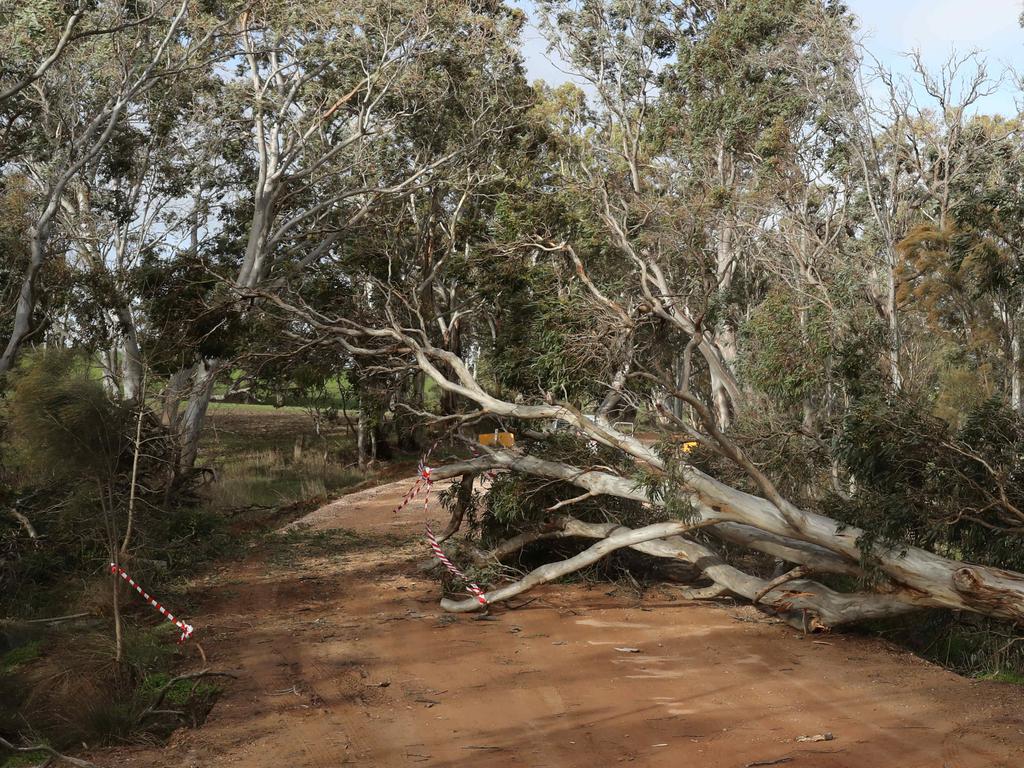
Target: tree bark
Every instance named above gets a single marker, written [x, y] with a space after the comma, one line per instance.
[22, 327]
[932, 579]
[1016, 361]
[204, 376]
[131, 377]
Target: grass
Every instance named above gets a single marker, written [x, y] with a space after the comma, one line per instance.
[273, 457]
[268, 478]
[21, 655]
[1004, 676]
[74, 692]
[181, 694]
[63, 681]
[23, 760]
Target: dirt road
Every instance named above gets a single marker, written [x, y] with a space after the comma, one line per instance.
[344, 658]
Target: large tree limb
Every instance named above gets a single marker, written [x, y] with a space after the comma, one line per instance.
[806, 604]
[937, 580]
[552, 571]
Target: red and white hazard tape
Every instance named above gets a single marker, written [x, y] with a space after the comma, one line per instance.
[186, 629]
[471, 587]
[423, 484]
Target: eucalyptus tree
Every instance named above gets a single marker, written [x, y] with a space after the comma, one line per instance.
[70, 106]
[603, 285]
[910, 152]
[962, 268]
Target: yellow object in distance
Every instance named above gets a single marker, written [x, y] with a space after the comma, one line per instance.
[504, 439]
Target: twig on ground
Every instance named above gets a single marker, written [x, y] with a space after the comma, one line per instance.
[53, 754]
[154, 708]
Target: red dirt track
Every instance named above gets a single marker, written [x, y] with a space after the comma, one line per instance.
[346, 659]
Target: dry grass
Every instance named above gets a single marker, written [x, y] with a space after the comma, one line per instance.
[271, 457]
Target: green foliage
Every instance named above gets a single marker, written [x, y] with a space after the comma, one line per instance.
[786, 349]
[62, 424]
[919, 481]
[70, 692]
[24, 654]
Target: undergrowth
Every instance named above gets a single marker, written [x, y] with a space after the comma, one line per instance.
[59, 684]
[62, 688]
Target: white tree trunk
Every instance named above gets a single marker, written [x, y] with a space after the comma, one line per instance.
[1016, 360]
[935, 579]
[26, 299]
[204, 376]
[131, 375]
[895, 338]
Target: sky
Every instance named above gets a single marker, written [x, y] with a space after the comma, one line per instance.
[890, 28]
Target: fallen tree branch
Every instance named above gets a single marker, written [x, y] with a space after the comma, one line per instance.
[50, 620]
[931, 579]
[161, 694]
[53, 754]
[829, 608]
[936, 580]
[551, 571]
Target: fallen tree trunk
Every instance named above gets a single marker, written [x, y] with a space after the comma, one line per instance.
[807, 535]
[922, 578]
[802, 603]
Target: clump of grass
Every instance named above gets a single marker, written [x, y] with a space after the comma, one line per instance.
[970, 645]
[24, 760]
[68, 690]
[24, 654]
[1005, 676]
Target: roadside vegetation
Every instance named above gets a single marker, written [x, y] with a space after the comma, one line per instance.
[752, 305]
[65, 679]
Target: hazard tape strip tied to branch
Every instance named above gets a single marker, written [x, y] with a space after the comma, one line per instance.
[423, 484]
[186, 629]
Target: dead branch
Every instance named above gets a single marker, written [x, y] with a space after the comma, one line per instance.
[53, 754]
[25, 523]
[797, 573]
[552, 571]
[161, 694]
